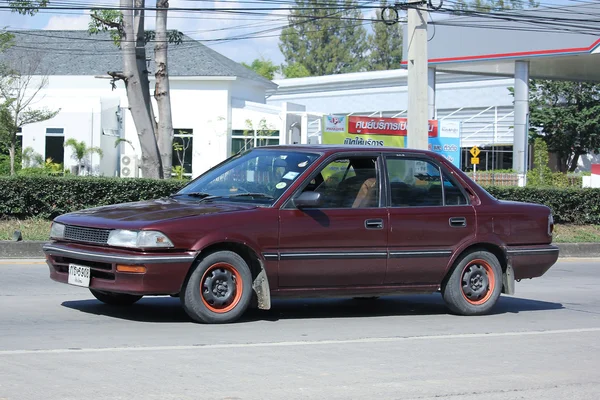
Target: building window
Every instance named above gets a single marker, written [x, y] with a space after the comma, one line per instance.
[242, 140]
[55, 141]
[182, 151]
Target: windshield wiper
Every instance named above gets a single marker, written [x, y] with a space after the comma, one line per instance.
[262, 195]
[202, 195]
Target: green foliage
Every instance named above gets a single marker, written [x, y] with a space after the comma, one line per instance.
[112, 21]
[107, 21]
[81, 150]
[570, 206]
[27, 7]
[567, 116]
[264, 68]
[178, 172]
[6, 40]
[31, 159]
[28, 196]
[325, 41]
[295, 70]
[540, 175]
[492, 5]
[385, 45]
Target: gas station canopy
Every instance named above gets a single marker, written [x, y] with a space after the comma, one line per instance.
[560, 43]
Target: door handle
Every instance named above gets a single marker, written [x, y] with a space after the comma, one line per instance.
[458, 222]
[374, 224]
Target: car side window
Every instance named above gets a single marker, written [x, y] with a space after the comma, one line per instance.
[418, 183]
[348, 183]
[453, 195]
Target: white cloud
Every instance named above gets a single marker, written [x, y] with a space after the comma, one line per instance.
[211, 27]
[79, 22]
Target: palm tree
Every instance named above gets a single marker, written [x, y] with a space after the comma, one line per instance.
[80, 151]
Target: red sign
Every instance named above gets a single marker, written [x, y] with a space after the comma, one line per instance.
[384, 126]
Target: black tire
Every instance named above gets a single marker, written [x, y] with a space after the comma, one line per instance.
[219, 289]
[115, 299]
[474, 285]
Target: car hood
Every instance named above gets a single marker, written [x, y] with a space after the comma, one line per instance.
[147, 212]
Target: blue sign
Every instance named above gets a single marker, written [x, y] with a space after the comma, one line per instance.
[449, 147]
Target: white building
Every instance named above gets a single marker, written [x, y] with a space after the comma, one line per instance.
[218, 105]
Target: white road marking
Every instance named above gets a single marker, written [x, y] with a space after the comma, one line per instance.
[296, 343]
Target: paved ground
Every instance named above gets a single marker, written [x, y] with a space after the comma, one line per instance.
[56, 342]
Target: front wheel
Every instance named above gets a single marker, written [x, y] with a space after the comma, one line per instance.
[115, 299]
[474, 285]
[219, 289]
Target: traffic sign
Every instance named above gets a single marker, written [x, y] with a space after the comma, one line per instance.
[475, 160]
[475, 152]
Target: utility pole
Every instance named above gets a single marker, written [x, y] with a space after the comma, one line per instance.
[417, 75]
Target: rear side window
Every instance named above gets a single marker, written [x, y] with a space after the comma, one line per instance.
[420, 183]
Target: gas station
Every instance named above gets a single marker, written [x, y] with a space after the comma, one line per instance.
[515, 47]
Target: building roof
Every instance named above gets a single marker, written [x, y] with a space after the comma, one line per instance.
[76, 52]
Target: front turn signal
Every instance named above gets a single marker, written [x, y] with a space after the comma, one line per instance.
[135, 269]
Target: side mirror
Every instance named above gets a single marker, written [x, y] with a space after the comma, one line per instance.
[308, 200]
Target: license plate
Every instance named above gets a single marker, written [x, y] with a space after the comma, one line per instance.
[79, 275]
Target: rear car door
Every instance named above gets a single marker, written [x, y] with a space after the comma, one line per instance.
[430, 217]
[342, 242]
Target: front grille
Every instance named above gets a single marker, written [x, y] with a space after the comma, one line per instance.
[87, 235]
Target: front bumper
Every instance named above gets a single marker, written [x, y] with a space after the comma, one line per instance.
[165, 272]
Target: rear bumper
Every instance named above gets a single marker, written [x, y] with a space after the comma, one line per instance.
[165, 272]
[532, 261]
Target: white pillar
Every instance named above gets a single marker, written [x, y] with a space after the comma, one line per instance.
[431, 93]
[520, 144]
[304, 129]
[417, 76]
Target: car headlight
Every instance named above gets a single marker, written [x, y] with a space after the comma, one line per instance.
[57, 231]
[146, 239]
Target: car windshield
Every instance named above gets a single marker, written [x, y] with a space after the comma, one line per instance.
[256, 176]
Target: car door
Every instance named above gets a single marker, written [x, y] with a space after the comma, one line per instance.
[430, 216]
[343, 241]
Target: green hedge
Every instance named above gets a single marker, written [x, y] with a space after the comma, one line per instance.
[571, 206]
[47, 197]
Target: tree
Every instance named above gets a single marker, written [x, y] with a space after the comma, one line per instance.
[385, 44]
[263, 67]
[294, 71]
[127, 30]
[325, 41]
[80, 151]
[21, 81]
[492, 5]
[567, 116]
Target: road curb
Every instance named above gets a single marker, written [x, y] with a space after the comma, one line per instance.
[33, 249]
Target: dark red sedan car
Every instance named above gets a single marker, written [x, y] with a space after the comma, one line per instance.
[304, 221]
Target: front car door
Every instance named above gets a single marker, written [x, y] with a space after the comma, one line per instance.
[430, 216]
[342, 242]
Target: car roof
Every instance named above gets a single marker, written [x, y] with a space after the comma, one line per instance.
[335, 148]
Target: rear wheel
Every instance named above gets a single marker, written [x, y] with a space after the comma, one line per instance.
[115, 299]
[474, 285]
[219, 289]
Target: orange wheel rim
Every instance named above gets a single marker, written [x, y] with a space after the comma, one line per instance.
[478, 282]
[221, 288]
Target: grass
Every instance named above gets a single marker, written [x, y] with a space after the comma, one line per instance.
[39, 229]
[31, 229]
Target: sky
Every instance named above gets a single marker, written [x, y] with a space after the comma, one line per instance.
[209, 27]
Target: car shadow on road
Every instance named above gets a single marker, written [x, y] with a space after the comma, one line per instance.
[167, 309]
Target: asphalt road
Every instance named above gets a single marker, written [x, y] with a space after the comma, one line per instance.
[57, 342]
